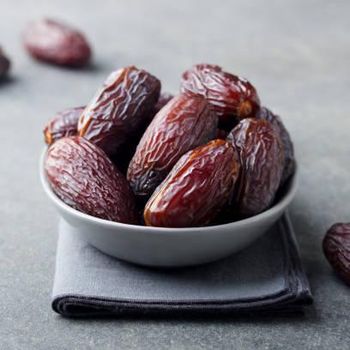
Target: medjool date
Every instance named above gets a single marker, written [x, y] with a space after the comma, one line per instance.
[276, 121]
[336, 247]
[63, 124]
[229, 95]
[120, 108]
[183, 124]
[262, 160]
[196, 189]
[164, 98]
[57, 43]
[83, 177]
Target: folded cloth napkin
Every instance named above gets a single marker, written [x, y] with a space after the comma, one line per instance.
[267, 276]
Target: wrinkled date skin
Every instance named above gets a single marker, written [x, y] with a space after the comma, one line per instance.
[197, 188]
[56, 43]
[336, 247]
[229, 95]
[275, 120]
[127, 150]
[262, 159]
[63, 124]
[120, 109]
[84, 178]
[123, 157]
[183, 124]
[164, 98]
[4, 65]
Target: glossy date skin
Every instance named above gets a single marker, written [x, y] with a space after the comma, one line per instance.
[183, 124]
[120, 109]
[336, 247]
[229, 95]
[196, 189]
[56, 43]
[4, 65]
[64, 123]
[276, 121]
[262, 161]
[83, 177]
[123, 157]
[164, 98]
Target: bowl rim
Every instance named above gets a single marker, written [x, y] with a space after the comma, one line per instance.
[282, 203]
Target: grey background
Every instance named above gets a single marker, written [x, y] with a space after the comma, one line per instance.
[297, 54]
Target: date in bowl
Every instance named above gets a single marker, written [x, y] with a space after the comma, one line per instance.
[170, 247]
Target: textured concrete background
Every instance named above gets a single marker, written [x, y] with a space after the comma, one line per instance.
[297, 53]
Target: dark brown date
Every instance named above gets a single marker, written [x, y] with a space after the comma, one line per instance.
[125, 154]
[196, 189]
[221, 134]
[83, 177]
[164, 98]
[56, 43]
[4, 65]
[127, 150]
[63, 124]
[262, 159]
[120, 108]
[183, 124]
[276, 121]
[229, 95]
[336, 247]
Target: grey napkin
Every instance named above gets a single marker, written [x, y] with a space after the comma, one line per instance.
[267, 276]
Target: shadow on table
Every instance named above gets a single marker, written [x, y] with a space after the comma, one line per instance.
[8, 80]
[280, 317]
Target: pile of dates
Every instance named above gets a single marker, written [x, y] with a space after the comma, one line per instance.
[208, 155]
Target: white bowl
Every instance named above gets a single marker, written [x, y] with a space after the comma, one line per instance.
[166, 247]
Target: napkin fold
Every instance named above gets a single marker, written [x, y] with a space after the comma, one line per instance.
[265, 277]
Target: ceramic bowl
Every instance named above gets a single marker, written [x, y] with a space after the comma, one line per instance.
[169, 247]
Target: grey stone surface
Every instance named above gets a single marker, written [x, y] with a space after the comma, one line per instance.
[297, 54]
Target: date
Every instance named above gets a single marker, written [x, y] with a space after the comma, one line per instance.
[127, 150]
[164, 98]
[183, 124]
[84, 178]
[221, 134]
[196, 189]
[120, 109]
[229, 95]
[336, 248]
[276, 121]
[56, 43]
[4, 65]
[262, 159]
[64, 123]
